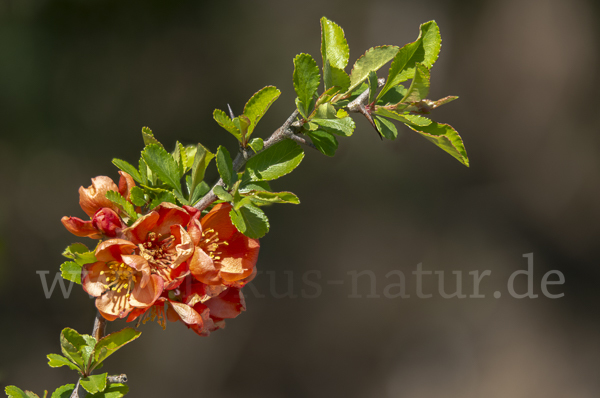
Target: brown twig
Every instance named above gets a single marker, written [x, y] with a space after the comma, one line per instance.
[289, 130]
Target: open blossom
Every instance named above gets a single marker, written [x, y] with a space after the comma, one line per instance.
[223, 254]
[162, 240]
[202, 308]
[120, 280]
[105, 220]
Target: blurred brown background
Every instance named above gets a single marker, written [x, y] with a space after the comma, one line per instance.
[78, 80]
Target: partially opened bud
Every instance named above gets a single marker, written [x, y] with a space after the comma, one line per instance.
[108, 222]
[93, 198]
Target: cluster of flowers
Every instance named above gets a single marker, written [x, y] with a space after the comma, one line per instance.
[169, 264]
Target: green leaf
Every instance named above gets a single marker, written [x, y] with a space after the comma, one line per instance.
[242, 123]
[137, 196]
[334, 77]
[73, 250]
[115, 390]
[63, 391]
[181, 200]
[161, 197]
[57, 361]
[95, 383]
[258, 105]
[399, 64]
[254, 186]
[419, 88]
[88, 350]
[225, 121]
[324, 141]
[306, 79]
[201, 190]
[222, 194]
[325, 111]
[129, 169]
[275, 162]
[201, 162]
[373, 85]
[386, 128]
[178, 156]
[71, 271]
[149, 137]
[404, 118]
[256, 144]
[119, 200]
[372, 60]
[72, 344]
[250, 220]
[16, 392]
[275, 197]
[426, 106]
[343, 127]
[334, 47]
[143, 169]
[112, 342]
[425, 50]
[162, 164]
[225, 167]
[446, 138]
[328, 94]
[393, 96]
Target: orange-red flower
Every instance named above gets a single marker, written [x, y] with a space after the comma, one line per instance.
[223, 254]
[105, 220]
[120, 280]
[162, 240]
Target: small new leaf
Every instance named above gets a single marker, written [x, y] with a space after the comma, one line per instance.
[258, 105]
[256, 144]
[57, 361]
[372, 60]
[343, 127]
[334, 47]
[386, 128]
[306, 79]
[225, 121]
[149, 137]
[71, 271]
[137, 196]
[222, 194]
[120, 201]
[201, 162]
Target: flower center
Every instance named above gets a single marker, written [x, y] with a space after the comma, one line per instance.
[119, 276]
[210, 243]
[158, 251]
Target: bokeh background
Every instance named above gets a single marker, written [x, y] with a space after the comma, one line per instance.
[78, 80]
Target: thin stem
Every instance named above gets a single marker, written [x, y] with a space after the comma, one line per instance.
[99, 326]
[287, 130]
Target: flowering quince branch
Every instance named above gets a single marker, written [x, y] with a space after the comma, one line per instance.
[172, 248]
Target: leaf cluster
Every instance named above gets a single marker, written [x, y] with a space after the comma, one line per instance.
[83, 354]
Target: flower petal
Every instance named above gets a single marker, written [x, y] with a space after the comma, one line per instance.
[78, 227]
[143, 297]
[228, 304]
[184, 248]
[138, 232]
[203, 268]
[140, 264]
[125, 184]
[218, 219]
[92, 278]
[113, 249]
[114, 303]
[187, 314]
[93, 198]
